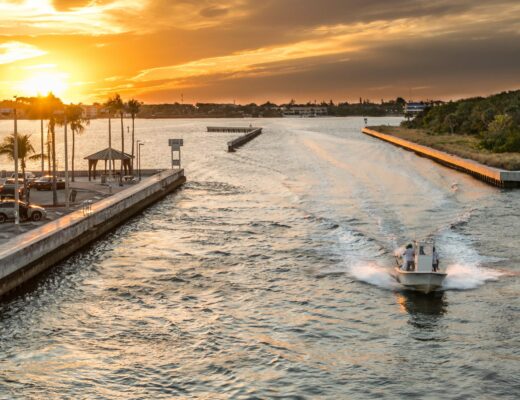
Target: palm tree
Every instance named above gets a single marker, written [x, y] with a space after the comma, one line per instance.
[25, 152]
[112, 105]
[40, 108]
[133, 107]
[77, 125]
[54, 104]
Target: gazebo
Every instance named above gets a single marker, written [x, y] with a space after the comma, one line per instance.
[107, 155]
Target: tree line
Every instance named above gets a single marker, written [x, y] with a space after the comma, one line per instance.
[52, 112]
[494, 119]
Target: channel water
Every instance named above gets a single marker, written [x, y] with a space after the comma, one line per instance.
[268, 276]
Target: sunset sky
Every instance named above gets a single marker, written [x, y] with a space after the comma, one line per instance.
[245, 50]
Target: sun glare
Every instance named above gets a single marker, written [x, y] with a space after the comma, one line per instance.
[43, 83]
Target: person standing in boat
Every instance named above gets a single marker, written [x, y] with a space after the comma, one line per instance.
[435, 260]
[409, 258]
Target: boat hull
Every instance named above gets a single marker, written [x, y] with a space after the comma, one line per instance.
[425, 282]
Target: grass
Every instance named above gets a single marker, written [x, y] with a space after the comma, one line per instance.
[459, 145]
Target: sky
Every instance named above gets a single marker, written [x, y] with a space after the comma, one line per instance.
[245, 51]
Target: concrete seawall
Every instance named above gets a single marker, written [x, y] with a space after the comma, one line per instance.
[493, 176]
[250, 133]
[235, 143]
[31, 253]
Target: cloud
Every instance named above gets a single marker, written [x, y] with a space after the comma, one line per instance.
[296, 47]
[211, 12]
[16, 51]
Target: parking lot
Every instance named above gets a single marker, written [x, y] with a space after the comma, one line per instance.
[84, 190]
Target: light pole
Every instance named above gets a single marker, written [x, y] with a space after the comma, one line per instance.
[67, 200]
[139, 154]
[7, 112]
[16, 186]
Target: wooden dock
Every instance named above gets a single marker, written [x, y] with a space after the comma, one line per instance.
[493, 176]
[250, 133]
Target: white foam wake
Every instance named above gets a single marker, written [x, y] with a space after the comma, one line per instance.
[372, 273]
[464, 277]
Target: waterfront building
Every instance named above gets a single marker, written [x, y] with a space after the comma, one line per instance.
[305, 111]
[90, 112]
[414, 108]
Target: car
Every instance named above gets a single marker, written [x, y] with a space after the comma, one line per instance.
[27, 211]
[7, 190]
[28, 175]
[10, 181]
[45, 183]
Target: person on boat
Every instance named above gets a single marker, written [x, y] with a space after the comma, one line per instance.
[435, 259]
[409, 258]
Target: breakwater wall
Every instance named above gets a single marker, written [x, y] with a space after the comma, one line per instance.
[28, 254]
[231, 129]
[490, 175]
[250, 134]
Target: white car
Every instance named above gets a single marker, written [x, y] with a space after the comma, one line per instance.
[27, 211]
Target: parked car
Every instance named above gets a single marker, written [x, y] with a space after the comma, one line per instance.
[28, 175]
[27, 211]
[45, 183]
[10, 181]
[7, 190]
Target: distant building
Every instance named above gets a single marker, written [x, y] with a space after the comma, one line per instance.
[414, 108]
[90, 112]
[305, 111]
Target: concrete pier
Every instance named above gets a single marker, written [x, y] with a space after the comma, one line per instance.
[490, 175]
[231, 129]
[250, 133]
[28, 254]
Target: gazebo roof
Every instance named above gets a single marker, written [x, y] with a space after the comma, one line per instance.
[109, 154]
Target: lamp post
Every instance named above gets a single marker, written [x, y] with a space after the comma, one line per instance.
[16, 186]
[67, 200]
[139, 154]
[7, 112]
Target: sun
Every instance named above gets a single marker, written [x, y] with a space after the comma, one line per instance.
[43, 83]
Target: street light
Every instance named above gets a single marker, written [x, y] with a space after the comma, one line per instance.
[139, 156]
[8, 111]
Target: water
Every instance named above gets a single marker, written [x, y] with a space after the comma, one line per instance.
[267, 276]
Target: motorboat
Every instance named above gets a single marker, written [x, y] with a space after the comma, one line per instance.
[421, 275]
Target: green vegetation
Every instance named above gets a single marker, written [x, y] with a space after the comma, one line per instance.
[466, 146]
[77, 125]
[494, 120]
[25, 152]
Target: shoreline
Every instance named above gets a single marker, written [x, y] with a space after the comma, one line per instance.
[464, 146]
[25, 256]
[491, 175]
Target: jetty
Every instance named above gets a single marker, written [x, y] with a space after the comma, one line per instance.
[28, 254]
[493, 176]
[249, 134]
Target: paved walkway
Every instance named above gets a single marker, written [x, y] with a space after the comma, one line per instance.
[85, 190]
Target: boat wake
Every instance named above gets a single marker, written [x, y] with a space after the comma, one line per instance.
[374, 274]
[465, 277]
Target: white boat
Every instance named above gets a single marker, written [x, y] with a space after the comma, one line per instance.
[422, 277]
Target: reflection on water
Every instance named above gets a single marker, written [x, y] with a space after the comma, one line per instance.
[268, 276]
[416, 303]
